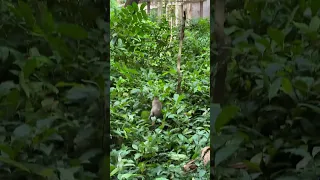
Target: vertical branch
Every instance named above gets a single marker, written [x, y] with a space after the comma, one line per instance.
[219, 62]
[201, 8]
[148, 6]
[183, 18]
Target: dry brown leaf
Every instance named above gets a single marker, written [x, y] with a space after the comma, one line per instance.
[205, 155]
[190, 166]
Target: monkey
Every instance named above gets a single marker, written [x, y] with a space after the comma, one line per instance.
[156, 109]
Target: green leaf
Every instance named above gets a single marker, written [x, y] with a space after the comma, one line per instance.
[8, 150]
[225, 152]
[5, 87]
[46, 149]
[85, 157]
[312, 107]
[276, 35]
[225, 116]
[135, 6]
[82, 93]
[29, 67]
[42, 171]
[47, 20]
[23, 84]
[142, 6]
[303, 27]
[72, 30]
[60, 46]
[274, 88]
[177, 157]
[4, 53]
[314, 24]
[23, 130]
[26, 12]
[68, 174]
[303, 162]
[14, 164]
[286, 86]
[315, 151]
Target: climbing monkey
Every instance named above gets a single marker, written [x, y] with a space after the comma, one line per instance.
[156, 109]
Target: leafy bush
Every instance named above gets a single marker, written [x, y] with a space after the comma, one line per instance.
[273, 86]
[52, 88]
[143, 65]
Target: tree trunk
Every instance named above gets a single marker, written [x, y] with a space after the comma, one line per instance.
[201, 8]
[218, 62]
[148, 6]
[159, 10]
[183, 19]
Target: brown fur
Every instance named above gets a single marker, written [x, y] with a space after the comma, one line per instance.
[156, 108]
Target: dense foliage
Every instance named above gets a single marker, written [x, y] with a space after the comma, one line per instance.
[268, 127]
[52, 89]
[143, 61]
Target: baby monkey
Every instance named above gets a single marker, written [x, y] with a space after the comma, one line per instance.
[156, 109]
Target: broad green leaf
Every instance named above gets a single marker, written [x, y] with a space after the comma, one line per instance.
[8, 150]
[23, 130]
[314, 24]
[85, 157]
[82, 93]
[4, 53]
[14, 164]
[276, 35]
[303, 27]
[303, 162]
[26, 12]
[29, 67]
[177, 157]
[113, 172]
[224, 153]
[225, 116]
[60, 46]
[252, 166]
[315, 151]
[68, 174]
[46, 149]
[274, 88]
[72, 30]
[312, 107]
[135, 6]
[5, 87]
[47, 20]
[286, 86]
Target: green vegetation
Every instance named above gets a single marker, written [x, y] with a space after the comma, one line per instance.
[143, 65]
[268, 127]
[52, 90]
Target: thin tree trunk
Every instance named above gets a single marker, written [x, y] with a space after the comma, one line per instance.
[148, 6]
[219, 63]
[159, 10]
[201, 8]
[183, 19]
